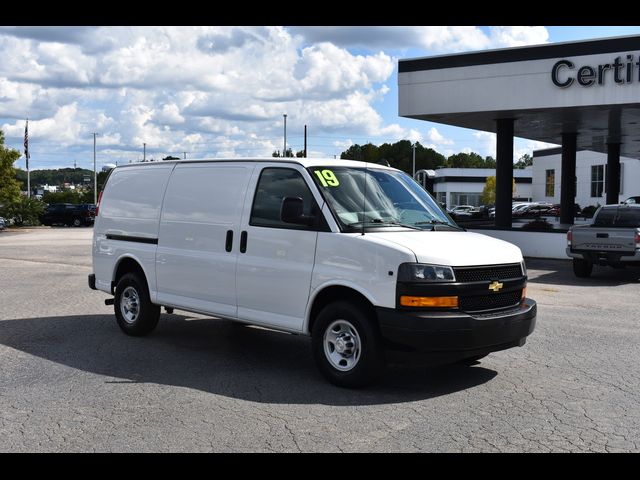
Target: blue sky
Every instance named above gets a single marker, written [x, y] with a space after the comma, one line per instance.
[221, 91]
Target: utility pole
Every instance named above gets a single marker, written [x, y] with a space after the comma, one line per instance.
[305, 141]
[26, 156]
[284, 151]
[414, 160]
[144, 152]
[95, 175]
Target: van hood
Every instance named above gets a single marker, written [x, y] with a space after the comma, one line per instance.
[454, 249]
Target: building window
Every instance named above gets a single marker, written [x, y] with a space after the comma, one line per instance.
[549, 183]
[442, 198]
[464, 198]
[597, 180]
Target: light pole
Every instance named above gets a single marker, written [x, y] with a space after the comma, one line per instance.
[284, 151]
[95, 175]
[414, 160]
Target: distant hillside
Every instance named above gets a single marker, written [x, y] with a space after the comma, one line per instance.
[54, 177]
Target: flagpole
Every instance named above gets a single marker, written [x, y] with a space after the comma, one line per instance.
[28, 178]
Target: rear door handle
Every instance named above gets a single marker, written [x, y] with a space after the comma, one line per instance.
[228, 245]
[243, 242]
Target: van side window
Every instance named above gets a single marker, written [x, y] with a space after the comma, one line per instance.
[273, 186]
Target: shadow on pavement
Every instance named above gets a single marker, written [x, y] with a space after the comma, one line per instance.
[560, 272]
[220, 357]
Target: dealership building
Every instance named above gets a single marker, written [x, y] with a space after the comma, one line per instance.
[540, 182]
[584, 96]
[591, 182]
[464, 186]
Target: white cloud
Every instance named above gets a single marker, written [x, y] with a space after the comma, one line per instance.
[413, 135]
[486, 145]
[436, 137]
[169, 115]
[213, 90]
[524, 146]
[345, 144]
[518, 36]
[435, 39]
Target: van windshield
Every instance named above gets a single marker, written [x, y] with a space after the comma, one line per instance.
[387, 198]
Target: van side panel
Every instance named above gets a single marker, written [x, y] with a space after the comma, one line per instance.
[193, 267]
[274, 273]
[129, 215]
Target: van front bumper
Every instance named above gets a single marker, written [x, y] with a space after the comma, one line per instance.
[457, 332]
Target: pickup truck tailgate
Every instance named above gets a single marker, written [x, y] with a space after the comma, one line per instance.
[604, 239]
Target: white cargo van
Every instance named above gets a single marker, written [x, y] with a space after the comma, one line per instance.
[358, 256]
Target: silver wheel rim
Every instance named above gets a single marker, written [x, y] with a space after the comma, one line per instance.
[342, 345]
[130, 304]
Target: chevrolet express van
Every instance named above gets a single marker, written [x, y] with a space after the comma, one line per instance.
[358, 256]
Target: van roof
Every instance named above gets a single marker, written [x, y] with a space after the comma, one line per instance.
[305, 162]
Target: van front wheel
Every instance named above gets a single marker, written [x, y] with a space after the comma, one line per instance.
[134, 311]
[347, 346]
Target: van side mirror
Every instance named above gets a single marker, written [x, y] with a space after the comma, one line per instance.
[291, 212]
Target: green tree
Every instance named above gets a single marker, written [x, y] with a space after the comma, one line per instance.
[400, 156]
[525, 161]
[64, 196]
[25, 211]
[488, 196]
[489, 191]
[9, 186]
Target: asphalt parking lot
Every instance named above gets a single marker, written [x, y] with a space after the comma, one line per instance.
[71, 381]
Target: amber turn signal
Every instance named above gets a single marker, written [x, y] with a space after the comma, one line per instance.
[448, 302]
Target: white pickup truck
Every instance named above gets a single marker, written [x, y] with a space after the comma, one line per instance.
[612, 239]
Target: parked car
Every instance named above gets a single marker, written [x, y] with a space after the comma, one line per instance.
[612, 239]
[68, 214]
[532, 210]
[555, 210]
[632, 201]
[300, 246]
[3, 224]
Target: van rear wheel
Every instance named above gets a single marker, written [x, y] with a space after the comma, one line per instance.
[347, 346]
[135, 313]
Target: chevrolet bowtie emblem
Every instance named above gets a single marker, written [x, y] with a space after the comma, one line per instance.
[496, 286]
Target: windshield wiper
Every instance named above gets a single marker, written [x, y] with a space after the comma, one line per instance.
[379, 222]
[435, 222]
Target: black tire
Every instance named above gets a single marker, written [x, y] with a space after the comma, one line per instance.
[582, 268]
[471, 360]
[135, 313]
[77, 222]
[367, 361]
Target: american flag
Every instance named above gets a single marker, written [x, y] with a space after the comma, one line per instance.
[26, 143]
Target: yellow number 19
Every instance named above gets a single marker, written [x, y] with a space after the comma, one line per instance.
[327, 178]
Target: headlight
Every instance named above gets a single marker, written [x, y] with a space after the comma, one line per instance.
[419, 272]
[524, 268]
